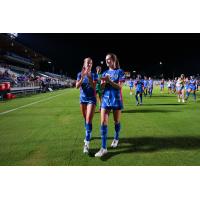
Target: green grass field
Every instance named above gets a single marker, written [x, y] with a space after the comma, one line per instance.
[48, 130]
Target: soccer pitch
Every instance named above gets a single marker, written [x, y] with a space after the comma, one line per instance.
[48, 129]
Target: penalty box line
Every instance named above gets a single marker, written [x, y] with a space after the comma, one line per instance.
[30, 104]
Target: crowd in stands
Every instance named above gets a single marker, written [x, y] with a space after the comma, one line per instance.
[23, 77]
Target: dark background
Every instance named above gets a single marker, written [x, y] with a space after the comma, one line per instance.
[179, 53]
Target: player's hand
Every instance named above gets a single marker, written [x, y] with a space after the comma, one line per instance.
[107, 78]
[83, 72]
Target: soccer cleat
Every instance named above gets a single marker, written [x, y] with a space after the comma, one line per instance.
[140, 104]
[179, 100]
[183, 100]
[86, 149]
[114, 143]
[101, 152]
[137, 103]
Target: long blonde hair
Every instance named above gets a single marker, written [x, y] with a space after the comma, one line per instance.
[115, 59]
[84, 61]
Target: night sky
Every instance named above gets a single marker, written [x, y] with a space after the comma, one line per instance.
[179, 53]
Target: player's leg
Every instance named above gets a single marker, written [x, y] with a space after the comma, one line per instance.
[104, 132]
[183, 95]
[83, 108]
[116, 117]
[140, 98]
[194, 94]
[187, 94]
[89, 117]
[88, 126]
[136, 97]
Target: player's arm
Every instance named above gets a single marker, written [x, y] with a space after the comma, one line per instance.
[80, 78]
[79, 83]
[103, 83]
[113, 84]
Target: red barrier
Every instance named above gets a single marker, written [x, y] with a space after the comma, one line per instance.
[13, 96]
[2, 87]
[8, 96]
[7, 85]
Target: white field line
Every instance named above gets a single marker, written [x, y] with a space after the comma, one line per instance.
[30, 104]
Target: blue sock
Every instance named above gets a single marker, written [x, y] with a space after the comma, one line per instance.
[136, 97]
[88, 132]
[117, 130]
[104, 131]
[187, 94]
[194, 95]
[140, 98]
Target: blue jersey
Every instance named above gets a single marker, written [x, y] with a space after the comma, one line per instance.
[145, 83]
[131, 83]
[150, 84]
[111, 98]
[139, 85]
[192, 84]
[87, 93]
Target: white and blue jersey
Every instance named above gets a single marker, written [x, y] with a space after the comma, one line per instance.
[150, 84]
[192, 84]
[139, 84]
[131, 83]
[112, 98]
[87, 93]
[145, 83]
[162, 84]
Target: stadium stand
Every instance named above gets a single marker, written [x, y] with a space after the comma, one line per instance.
[20, 69]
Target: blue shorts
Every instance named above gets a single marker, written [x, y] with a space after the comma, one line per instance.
[192, 88]
[139, 91]
[88, 100]
[108, 104]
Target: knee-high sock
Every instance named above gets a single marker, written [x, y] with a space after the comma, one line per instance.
[136, 97]
[140, 98]
[88, 132]
[117, 130]
[104, 131]
[187, 94]
[194, 95]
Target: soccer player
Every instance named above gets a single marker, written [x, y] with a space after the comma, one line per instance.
[86, 81]
[180, 88]
[191, 88]
[131, 85]
[162, 84]
[169, 86]
[145, 86]
[173, 87]
[112, 81]
[98, 85]
[150, 86]
[139, 88]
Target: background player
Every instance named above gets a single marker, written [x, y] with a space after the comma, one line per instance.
[145, 86]
[150, 87]
[191, 88]
[180, 88]
[98, 85]
[139, 88]
[131, 83]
